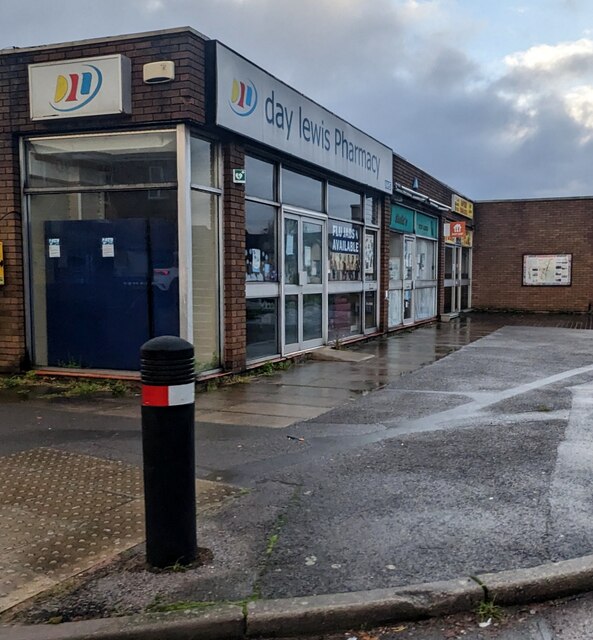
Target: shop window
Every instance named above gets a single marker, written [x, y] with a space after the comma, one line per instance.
[450, 253]
[395, 256]
[371, 210]
[395, 309]
[425, 259]
[465, 264]
[344, 315]
[370, 253]
[344, 204]
[104, 273]
[260, 242]
[312, 316]
[260, 179]
[302, 191]
[204, 168]
[344, 251]
[465, 304]
[205, 285]
[370, 309]
[106, 160]
[425, 303]
[291, 319]
[262, 327]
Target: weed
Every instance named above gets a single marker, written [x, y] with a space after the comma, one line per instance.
[12, 382]
[211, 385]
[118, 388]
[83, 388]
[543, 407]
[71, 363]
[487, 609]
[267, 369]
[176, 568]
[272, 540]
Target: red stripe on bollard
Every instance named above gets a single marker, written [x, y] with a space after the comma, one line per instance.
[155, 396]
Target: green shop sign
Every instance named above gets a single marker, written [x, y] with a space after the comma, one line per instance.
[402, 219]
[427, 226]
[406, 220]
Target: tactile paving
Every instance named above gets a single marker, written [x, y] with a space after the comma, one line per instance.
[62, 513]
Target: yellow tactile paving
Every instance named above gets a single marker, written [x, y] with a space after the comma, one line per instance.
[62, 513]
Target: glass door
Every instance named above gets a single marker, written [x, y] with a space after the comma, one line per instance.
[303, 282]
[408, 278]
[452, 279]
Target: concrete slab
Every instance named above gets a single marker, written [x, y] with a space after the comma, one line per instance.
[278, 409]
[245, 419]
[339, 355]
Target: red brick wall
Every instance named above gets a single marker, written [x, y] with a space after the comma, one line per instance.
[506, 230]
[235, 327]
[183, 100]
[384, 263]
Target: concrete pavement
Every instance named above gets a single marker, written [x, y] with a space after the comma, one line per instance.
[475, 464]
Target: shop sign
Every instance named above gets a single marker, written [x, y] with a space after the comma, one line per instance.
[253, 103]
[426, 226]
[402, 219]
[457, 233]
[462, 206]
[80, 88]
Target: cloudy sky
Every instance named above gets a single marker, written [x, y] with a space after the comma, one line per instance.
[494, 97]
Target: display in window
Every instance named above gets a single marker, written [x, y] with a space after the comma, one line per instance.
[369, 254]
[260, 242]
[344, 252]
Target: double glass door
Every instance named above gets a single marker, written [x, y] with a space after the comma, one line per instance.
[457, 279]
[304, 279]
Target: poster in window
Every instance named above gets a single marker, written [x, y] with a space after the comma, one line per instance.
[547, 270]
[344, 251]
[369, 254]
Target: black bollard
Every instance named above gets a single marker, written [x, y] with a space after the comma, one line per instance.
[168, 398]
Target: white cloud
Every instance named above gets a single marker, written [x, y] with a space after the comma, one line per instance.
[549, 57]
[579, 105]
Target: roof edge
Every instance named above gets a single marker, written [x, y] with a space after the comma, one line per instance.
[106, 39]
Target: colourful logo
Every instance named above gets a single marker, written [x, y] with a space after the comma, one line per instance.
[76, 90]
[243, 98]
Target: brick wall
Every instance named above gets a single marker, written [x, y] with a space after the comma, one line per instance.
[235, 327]
[152, 105]
[506, 230]
[384, 263]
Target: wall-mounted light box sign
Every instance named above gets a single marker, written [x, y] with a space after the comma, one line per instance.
[462, 206]
[253, 103]
[406, 220]
[80, 88]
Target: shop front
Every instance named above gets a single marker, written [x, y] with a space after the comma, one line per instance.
[103, 216]
[413, 273]
[208, 200]
[314, 190]
[458, 241]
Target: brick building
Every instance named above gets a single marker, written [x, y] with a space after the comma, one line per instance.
[160, 183]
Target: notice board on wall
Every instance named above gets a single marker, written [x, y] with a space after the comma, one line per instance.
[547, 270]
